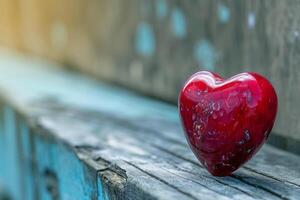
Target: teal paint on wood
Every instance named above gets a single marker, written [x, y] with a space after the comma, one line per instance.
[51, 162]
[74, 183]
[28, 184]
[102, 195]
[205, 55]
[161, 8]
[5, 151]
[25, 141]
[178, 23]
[43, 163]
[145, 39]
[26, 160]
[2, 149]
[12, 166]
[223, 13]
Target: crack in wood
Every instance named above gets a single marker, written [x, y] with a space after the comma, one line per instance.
[261, 187]
[222, 194]
[272, 177]
[161, 180]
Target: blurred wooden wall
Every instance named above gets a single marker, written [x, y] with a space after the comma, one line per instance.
[152, 46]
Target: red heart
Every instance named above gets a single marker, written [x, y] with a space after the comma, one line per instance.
[227, 121]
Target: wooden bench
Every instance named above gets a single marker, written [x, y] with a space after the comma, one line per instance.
[66, 136]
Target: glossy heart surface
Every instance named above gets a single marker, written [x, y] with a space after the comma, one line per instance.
[226, 121]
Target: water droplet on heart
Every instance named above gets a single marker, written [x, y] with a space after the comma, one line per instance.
[225, 157]
[216, 106]
[241, 142]
[247, 135]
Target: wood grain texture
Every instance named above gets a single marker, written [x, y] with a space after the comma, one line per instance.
[109, 143]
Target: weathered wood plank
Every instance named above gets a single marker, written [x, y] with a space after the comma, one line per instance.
[132, 142]
[103, 142]
[11, 159]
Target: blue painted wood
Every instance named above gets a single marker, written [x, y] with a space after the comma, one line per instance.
[12, 165]
[73, 181]
[2, 154]
[74, 178]
[28, 182]
[102, 195]
[25, 140]
[43, 162]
